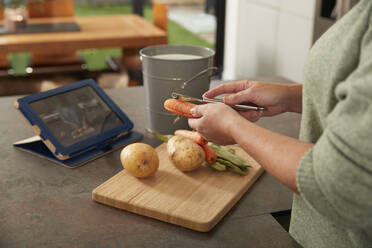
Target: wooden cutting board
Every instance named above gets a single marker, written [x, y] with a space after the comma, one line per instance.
[196, 199]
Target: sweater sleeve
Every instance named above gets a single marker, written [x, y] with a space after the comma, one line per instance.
[335, 176]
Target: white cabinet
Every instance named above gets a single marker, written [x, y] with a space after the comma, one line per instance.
[268, 37]
[294, 39]
[257, 40]
[267, 3]
[303, 8]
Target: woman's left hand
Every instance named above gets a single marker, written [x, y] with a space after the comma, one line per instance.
[214, 122]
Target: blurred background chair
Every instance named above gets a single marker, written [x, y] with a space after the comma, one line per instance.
[4, 61]
[160, 15]
[49, 9]
[130, 57]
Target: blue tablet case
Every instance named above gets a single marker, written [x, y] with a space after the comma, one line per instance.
[37, 147]
[46, 145]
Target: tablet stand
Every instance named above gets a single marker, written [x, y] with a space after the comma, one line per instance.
[36, 146]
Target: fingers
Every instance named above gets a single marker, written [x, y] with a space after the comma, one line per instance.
[227, 88]
[196, 112]
[240, 97]
[193, 123]
[251, 115]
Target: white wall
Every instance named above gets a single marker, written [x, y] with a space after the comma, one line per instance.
[267, 37]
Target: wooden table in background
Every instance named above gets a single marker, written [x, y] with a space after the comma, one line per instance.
[125, 31]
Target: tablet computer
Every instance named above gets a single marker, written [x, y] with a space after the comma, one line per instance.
[75, 118]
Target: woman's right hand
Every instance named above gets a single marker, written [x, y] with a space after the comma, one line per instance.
[277, 98]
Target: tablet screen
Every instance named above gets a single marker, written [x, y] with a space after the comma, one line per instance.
[76, 115]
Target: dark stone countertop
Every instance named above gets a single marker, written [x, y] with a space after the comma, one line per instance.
[46, 205]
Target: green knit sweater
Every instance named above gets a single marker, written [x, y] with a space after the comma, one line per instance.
[334, 178]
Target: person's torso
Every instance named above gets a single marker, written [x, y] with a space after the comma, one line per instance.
[331, 60]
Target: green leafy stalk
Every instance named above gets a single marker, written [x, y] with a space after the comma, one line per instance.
[221, 148]
[217, 166]
[228, 154]
[232, 166]
[162, 137]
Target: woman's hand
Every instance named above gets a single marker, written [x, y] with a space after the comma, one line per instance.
[222, 125]
[214, 122]
[277, 98]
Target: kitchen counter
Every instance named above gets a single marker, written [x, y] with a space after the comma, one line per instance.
[47, 205]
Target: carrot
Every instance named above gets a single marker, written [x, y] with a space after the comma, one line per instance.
[179, 107]
[195, 136]
[210, 154]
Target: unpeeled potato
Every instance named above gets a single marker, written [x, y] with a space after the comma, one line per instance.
[140, 160]
[184, 153]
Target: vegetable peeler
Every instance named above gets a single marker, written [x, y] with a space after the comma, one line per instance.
[238, 107]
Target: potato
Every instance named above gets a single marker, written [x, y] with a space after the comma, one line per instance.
[184, 153]
[140, 160]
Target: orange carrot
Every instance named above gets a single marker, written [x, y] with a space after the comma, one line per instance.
[179, 107]
[210, 154]
[195, 136]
